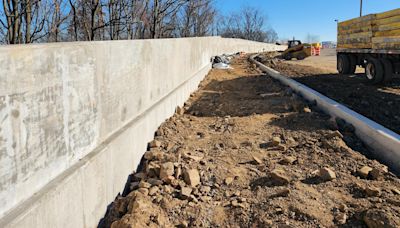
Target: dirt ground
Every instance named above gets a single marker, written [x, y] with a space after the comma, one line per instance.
[380, 103]
[326, 61]
[247, 152]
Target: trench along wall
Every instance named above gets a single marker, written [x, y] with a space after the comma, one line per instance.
[75, 119]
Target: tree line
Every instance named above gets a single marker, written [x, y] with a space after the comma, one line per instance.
[40, 21]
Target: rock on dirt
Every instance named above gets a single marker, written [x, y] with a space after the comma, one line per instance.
[167, 169]
[372, 191]
[364, 171]
[191, 177]
[153, 190]
[180, 110]
[376, 174]
[288, 160]
[307, 110]
[327, 174]
[186, 192]
[144, 184]
[341, 218]
[334, 134]
[155, 144]
[275, 141]
[228, 180]
[257, 160]
[378, 218]
[279, 177]
[281, 193]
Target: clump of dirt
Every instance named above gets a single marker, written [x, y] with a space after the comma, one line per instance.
[378, 102]
[245, 151]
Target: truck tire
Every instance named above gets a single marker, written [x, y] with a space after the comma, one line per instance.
[388, 70]
[374, 71]
[353, 64]
[343, 64]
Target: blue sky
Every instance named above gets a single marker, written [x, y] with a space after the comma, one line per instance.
[299, 17]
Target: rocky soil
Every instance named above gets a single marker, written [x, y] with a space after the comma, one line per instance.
[378, 102]
[245, 151]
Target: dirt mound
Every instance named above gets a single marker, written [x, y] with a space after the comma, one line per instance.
[247, 152]
[379, 103]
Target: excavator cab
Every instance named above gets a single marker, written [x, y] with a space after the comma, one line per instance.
[297, 50]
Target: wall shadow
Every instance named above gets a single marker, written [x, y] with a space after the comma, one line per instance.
[378, 102]
[240, 97]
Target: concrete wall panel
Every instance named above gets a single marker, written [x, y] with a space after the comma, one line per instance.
[75, 119]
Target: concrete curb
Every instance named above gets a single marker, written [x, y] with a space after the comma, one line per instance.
[384, 143]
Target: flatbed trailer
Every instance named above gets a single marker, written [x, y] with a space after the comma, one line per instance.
[380, 65]
[372, 42]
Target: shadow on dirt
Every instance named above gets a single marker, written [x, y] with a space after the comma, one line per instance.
[380, 103]
[261, 94]
[240, 97]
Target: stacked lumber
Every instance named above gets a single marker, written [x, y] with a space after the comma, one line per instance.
[376, 31]
[387, 30]
[356, 33]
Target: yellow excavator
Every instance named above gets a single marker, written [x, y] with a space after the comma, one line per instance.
[296, 50]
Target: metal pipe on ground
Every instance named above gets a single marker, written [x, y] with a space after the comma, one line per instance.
[384, 143]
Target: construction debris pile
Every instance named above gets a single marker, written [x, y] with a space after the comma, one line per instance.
[245, 151]
[223, 62]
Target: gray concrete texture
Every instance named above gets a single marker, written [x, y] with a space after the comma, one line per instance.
[75, 119]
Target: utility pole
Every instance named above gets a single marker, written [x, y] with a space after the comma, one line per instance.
[361, 6]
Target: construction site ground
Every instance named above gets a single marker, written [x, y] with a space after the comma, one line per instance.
[378, 102]
[245, 151]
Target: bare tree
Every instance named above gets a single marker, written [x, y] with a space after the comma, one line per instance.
[197, 18]
[138, 19]
[271, 36]
[163, 14]
[22, 21]
[73, 24]
[26, 21]
[248, 24]
[12, 20]
[253, 23]
[55, 24]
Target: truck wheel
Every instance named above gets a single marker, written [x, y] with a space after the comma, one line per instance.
[353, 64]
[343, 64]
[374, 71]
[388, 69]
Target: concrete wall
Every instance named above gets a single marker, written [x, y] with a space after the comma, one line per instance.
[75, 119]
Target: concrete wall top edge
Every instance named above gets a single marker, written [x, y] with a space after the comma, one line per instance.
[109, 42]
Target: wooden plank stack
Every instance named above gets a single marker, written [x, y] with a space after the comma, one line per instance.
[374, 31]
[356, 33]
[387, 30]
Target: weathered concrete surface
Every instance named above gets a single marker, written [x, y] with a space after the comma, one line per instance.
[75, 119]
